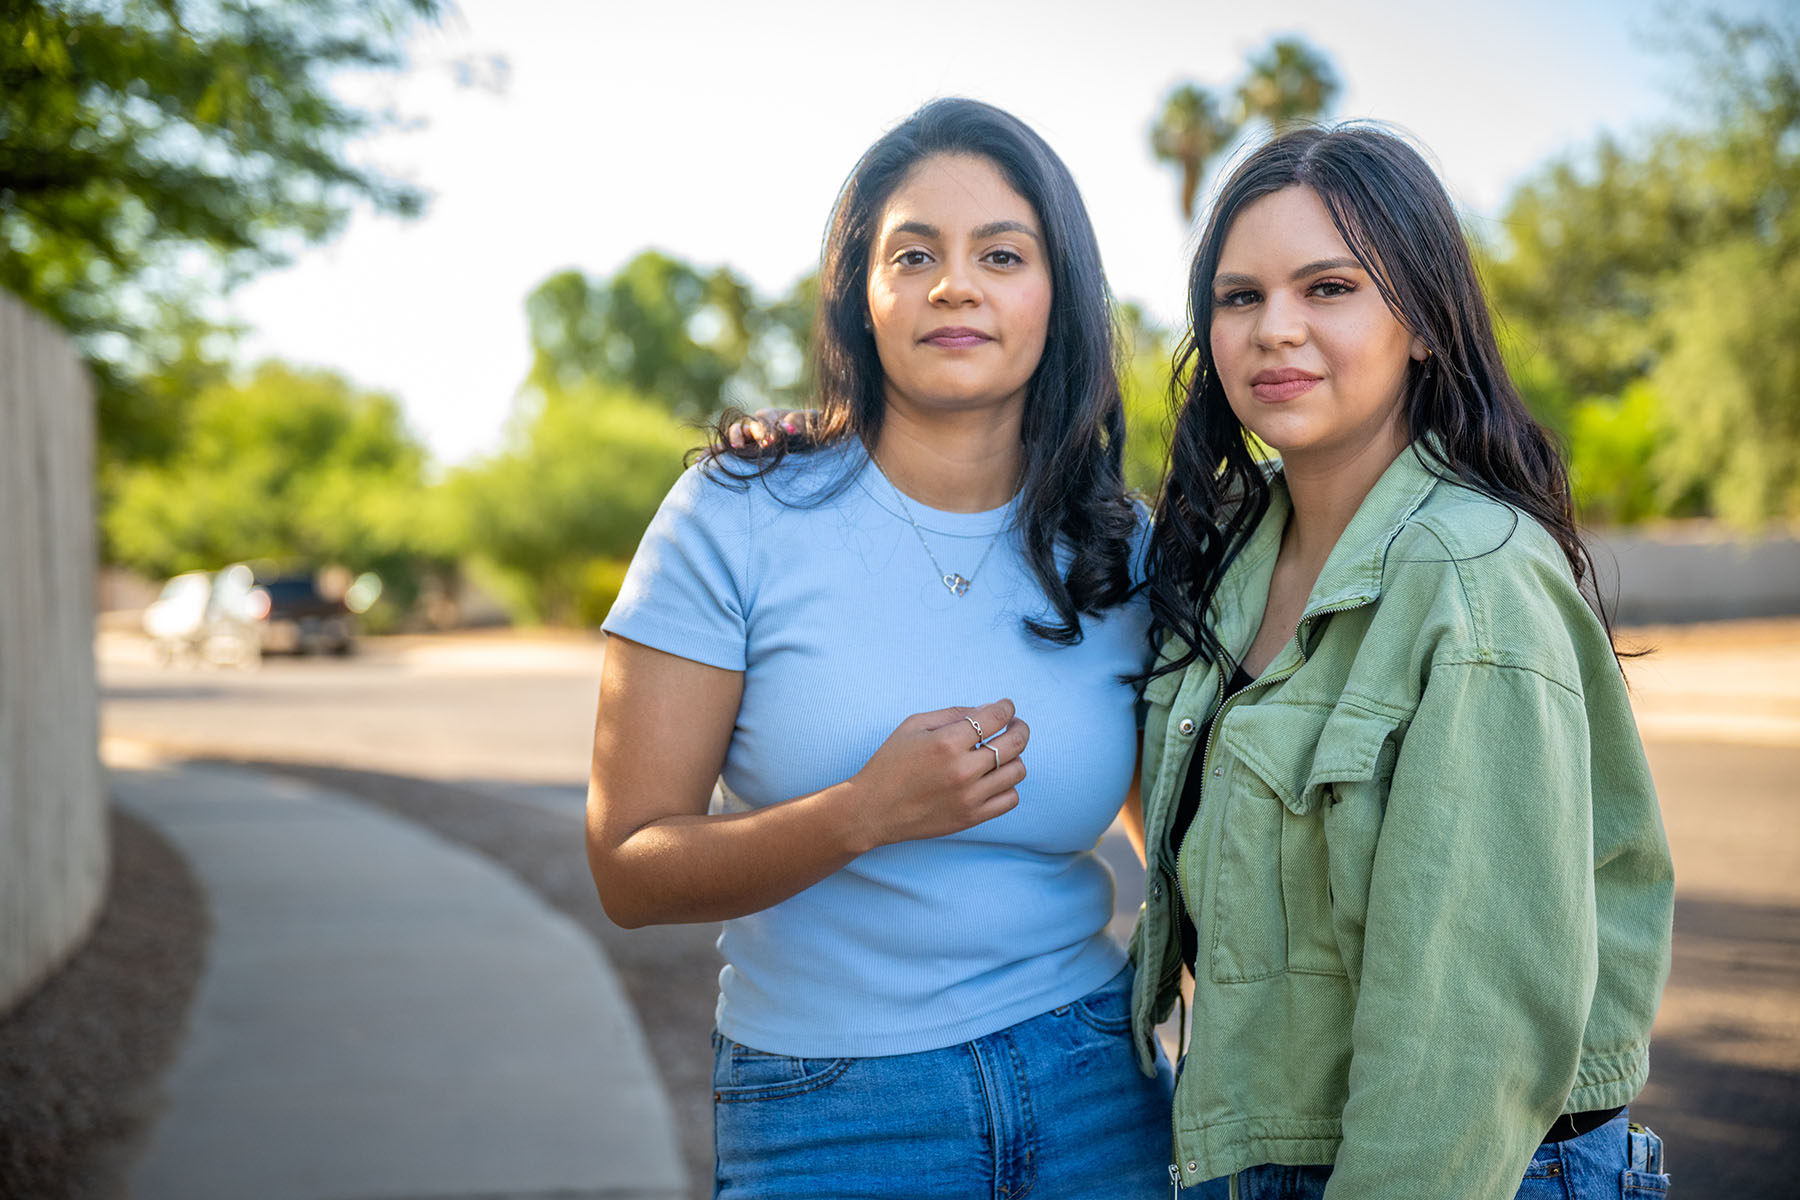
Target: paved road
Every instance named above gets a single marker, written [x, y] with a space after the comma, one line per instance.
[499, 727]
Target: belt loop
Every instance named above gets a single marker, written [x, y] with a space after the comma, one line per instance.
[1234, 1185]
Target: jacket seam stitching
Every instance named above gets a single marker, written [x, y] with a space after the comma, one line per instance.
[1506, 666]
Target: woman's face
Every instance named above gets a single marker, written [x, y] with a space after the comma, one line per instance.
[1310, 356]
[959, 288]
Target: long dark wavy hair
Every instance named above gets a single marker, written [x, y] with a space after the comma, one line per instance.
[1396, 218]
[1072, 489]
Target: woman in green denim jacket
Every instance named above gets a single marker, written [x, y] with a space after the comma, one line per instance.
[1427, 882]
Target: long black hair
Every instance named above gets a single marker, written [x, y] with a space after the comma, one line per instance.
[1396, 218]
[1072, 488]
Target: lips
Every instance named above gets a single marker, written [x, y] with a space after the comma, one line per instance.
[1282, 383]
[955, 337]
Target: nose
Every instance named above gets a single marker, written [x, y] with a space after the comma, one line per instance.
[956, 286]
[1280, 322]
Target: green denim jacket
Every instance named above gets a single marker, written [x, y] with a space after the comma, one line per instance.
[1428, 872]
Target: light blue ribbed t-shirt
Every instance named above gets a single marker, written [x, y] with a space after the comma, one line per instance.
[837, 618]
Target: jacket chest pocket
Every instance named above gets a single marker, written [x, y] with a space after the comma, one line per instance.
[1283, 772]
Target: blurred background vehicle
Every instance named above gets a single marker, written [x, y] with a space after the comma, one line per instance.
[206, 618]
[176, 619]
[292, 615]
[234, 616]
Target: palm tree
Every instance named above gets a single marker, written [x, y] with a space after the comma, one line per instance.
[1190, 131]
[1288, 82]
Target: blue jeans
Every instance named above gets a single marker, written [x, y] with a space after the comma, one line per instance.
[1052, 1107]
[1618, 1161]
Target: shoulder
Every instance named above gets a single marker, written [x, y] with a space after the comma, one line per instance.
[1490, 584]
[799, 477]
[1458, 531]
[721, 484]
[1482, 539]
[704, 502]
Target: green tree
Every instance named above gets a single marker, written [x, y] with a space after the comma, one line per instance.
[552, 519]
[153, 151]
[660, 328]
[289, 465]
[1189, 133]
[780, 366]
[1729, 382]
[1648, 292]
[1587, 244]
[1288, 82]
[1144, 386]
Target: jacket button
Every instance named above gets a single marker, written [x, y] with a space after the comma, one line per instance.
[1156, 890]
[1218, 771]
[1186, 727]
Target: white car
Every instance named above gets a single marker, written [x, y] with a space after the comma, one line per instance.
[203, 617]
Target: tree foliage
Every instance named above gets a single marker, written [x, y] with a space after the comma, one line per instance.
[1649, 294]
[1144, 387]
[687, 339]
[659, 327]
[287, 465]
[152, 151]
[1189, 133]
[1288, 82]
[557, 512]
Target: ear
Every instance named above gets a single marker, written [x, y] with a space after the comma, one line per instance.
[1419, 351]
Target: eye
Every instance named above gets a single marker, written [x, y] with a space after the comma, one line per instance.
[1237, 298]
[1329, 288]
[912, 258]
[1005, 258]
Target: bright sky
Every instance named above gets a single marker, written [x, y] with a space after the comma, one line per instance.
[720, 132]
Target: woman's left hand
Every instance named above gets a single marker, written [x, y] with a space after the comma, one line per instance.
[767, 425]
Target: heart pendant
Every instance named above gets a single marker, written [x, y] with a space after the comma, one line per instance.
[956, 583]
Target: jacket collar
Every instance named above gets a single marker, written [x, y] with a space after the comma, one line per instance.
[1352, 574]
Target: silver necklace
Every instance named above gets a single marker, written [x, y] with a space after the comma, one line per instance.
[957, 584]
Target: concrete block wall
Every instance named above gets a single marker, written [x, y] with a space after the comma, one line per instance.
[1697, 572]
[53, 847]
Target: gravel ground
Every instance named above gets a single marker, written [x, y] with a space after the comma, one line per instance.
[81, 1057]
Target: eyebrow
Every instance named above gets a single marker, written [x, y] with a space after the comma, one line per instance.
[1311, 268]
[997, 227]
[920, 229]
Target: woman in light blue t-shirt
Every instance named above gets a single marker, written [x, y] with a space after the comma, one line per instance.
[863, 636]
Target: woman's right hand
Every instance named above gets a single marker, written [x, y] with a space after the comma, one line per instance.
[936, 775]
[660, 738]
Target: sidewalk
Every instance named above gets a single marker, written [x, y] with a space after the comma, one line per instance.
[384, 1014]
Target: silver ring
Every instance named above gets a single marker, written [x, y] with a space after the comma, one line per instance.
[976, 726]
[990, 746]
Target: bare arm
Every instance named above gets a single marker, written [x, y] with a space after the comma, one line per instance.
[1131, 813]
[659, 742]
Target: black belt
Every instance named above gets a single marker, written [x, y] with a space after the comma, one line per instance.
[1573, 1125]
